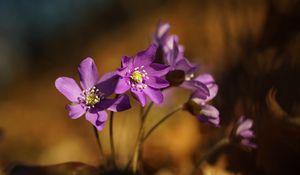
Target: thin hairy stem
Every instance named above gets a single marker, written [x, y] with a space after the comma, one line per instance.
[137, 149]
[99, 143]
[111, 137]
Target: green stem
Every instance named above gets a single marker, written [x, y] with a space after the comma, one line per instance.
[99, 143]
[208, 153]
[137, 149]
[161, 121]
[111, 136]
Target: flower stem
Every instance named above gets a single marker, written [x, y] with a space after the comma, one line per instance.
[99, 143]
[137, 149]
[111, 136]
[161, 121]
[224, 141]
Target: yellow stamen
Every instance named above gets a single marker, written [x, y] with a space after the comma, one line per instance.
[137, 77]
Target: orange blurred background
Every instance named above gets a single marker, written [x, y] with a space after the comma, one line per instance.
[251, 47]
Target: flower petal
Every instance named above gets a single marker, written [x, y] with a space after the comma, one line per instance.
[122, 86]
[145, 57]
[186, 66]
[140, 96]
[126, 61]
[97, 119]
[156, 69]
[68, 87]
[155, 95]
[157, 82]
[245, 125]
[209, 114]
[108, 83]
[248, 143]
[200, 90]
[171, 49]
[122, 103]
[213, 90]
[161, 33]
[247, 134]
[75, 111]
[209, 81]
[205, 78]
[88, 73]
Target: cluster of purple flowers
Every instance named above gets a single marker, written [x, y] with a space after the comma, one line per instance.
[162, 65]
[143, 76]
[181, 74]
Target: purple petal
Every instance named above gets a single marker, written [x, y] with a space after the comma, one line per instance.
[205, 78]
[200, 90]
[156, 69]
[161, 33]
[122, 103]
[122, 86]
[126, 61]
[213, 90]
[88, 73]
[155, 95]
[245, 125]
[201, 97]
[210, 115]
[75, 111]
[186, 66]
[146, 57]
[157, 82]
[172, 42]
[122, 71]
[140, 96]
[68, 87]
[247, 134]
[108, 83]
[172, 50]
[97, 119]
[248, 143]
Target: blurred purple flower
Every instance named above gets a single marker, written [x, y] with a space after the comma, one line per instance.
[243, 134]
[92, 100]
[173, 54]
[197, 104]
[142, 76]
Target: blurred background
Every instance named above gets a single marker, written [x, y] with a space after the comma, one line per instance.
[251, 47]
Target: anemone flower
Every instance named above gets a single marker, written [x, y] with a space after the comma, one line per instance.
[92, 99]
[243, 133]
[198, 103]
[142, 77]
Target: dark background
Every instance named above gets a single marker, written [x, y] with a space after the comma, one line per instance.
[251, 47]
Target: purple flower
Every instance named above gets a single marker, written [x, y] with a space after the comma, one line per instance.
[142, 76]
[173, 54]
[92, 100]
[197, 104]
[243, 134]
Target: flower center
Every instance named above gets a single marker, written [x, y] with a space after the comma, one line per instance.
[91, 97]
[137, 76]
